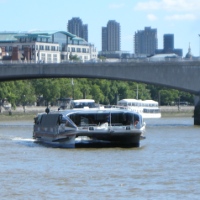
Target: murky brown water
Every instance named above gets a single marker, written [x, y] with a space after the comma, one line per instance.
[166, 166]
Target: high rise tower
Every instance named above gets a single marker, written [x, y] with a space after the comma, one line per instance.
[145, 41]
[76, 27]
[168, 46]
[168, 40]
[111, 36]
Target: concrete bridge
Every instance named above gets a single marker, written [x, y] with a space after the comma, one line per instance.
[181, 75]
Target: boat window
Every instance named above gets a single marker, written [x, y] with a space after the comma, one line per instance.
[83, 104]
[69, 123]
[149, 110]
[83, 119]
[136, 117]
[50, 119]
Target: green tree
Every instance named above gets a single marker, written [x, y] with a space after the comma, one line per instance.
[48, 88]
[74, 58]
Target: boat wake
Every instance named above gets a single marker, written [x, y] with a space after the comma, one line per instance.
[25, 141]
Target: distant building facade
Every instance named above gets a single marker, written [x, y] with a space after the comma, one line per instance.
[111, 36]
[76, 27]
[145, 42]
[168, 46]
[168, 43]
[42, 46]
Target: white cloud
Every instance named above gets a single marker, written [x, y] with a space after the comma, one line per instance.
[169, 5]
[150, 5]
[151, 17]
[116, 6]
[181, 17]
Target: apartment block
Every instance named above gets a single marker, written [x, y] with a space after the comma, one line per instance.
[145, 42]
[76, 27]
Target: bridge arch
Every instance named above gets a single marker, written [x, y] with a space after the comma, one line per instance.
[178, 75]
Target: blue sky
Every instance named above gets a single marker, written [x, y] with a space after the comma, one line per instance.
[180, 17]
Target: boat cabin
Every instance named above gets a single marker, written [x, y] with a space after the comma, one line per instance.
[83, 103]
[114, 118]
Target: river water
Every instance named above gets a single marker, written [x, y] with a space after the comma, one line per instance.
[165, 166]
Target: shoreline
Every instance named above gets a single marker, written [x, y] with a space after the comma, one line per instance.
[175, 111]
[31, 112]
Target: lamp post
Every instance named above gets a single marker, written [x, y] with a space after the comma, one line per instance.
[72, 88]
[159, 95]
[137, 92]
[24, 103]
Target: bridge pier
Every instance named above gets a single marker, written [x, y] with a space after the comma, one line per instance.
[197, 110]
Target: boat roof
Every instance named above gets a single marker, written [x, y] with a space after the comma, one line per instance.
[83, 100]
[97, 111]
[137, 100]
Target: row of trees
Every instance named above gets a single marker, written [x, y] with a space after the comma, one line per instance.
[47, 91]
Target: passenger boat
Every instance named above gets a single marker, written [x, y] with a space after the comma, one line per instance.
[54, 129]
[117, 126]
[147, 108]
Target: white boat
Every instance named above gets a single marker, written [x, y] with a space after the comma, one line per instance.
[117, 126]
[83, 103]
[147, 108]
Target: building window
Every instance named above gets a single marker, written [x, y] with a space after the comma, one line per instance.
[49, 58]
[84, 50]
[41, 47]
[23, 40]
[78, 49]
[53, 48]
[50, 40]
[23, 46]
[44, 39]
[73, 49]
[55, 58]
[36, 47]
[68, 49]
[47, 48]
[43, 57]
[63, 47]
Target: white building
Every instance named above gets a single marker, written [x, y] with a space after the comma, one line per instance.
[48, 47]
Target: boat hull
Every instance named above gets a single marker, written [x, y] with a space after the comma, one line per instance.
[119, 137]
[58, 139]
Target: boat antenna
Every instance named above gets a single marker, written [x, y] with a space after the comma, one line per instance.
[110, 119]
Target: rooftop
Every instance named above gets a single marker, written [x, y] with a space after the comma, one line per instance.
[14, 36]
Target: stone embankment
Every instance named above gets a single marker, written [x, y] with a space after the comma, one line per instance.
[165, 110]
[177, 111]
